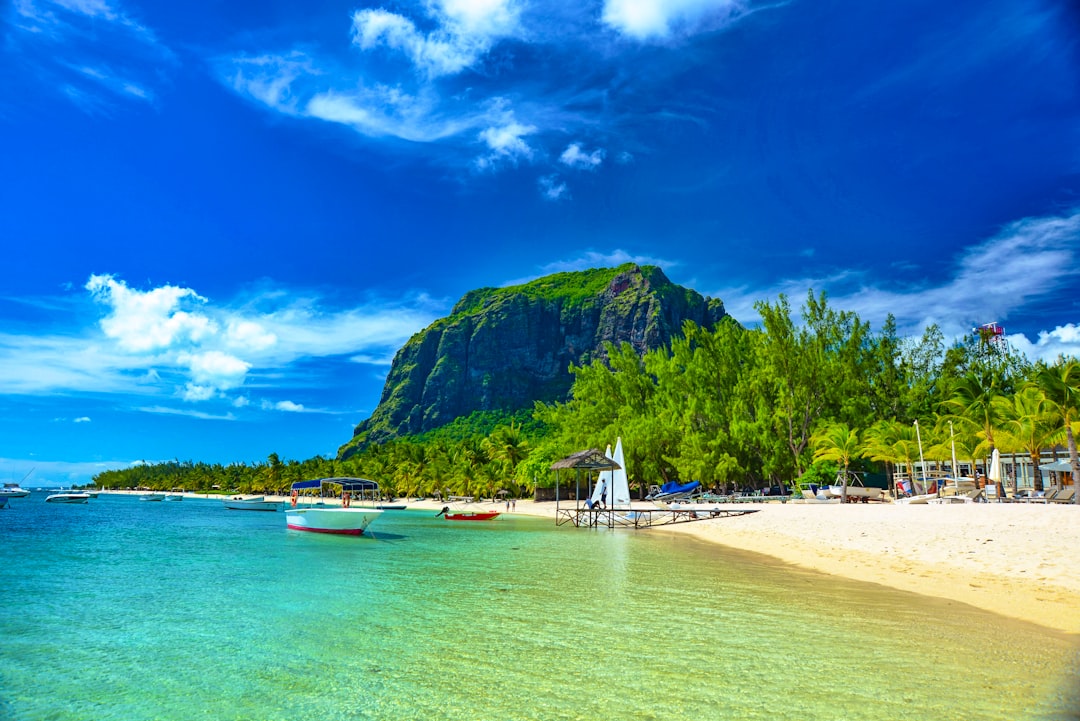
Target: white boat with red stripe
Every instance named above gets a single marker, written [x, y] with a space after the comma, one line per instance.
[350, 512]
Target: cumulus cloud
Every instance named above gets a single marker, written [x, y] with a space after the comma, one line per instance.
[506, 143]
[658, 19]
[142, 321]
[171, 341]
[575, 157]
[82, 419]
[464, 31]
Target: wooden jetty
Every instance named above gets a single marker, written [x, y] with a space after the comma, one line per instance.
[643, 516]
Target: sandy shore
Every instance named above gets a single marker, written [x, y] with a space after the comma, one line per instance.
[1014, 559]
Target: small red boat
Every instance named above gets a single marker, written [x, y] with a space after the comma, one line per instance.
[467, 515]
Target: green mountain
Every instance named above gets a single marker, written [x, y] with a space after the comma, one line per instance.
[502, 349]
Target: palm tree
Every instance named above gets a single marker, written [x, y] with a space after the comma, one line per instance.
[879, 444]
[1061, 384]
[1029, 419]
[837, 442]
[971, 403]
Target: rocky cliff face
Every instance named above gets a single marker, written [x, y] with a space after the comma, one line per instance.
[504, 348]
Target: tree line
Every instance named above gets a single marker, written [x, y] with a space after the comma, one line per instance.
[728, 406]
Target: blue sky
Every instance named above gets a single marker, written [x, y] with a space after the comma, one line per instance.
[220, 220]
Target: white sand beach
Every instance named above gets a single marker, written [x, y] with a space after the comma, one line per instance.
[1014, 559]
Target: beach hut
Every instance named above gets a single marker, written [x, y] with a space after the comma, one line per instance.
[589, 460]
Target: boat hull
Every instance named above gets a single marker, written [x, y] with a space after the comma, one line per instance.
[14, 493]
[68, 498]
[472, 515]
[856, 492]
[342, 521]
[250, 504]
[152, 497]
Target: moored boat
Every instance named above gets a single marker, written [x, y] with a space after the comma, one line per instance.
[12, 490]
[174, 497]
[152, 497]
[344, 519]
[452, 515]
[255, 503]
[68, 497]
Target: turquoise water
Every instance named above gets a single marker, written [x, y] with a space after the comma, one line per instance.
[122, 609]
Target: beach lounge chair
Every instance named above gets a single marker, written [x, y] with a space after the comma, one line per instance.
[1065, 495]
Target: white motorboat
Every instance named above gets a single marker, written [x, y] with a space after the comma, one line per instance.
[68, 497]
[12, 490]
[152, 497]
[255, 503]
[345, 519]
[856, 492]
[174, 497]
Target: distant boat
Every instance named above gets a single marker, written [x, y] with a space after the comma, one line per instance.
[174, 497]
[451, 515]
[255, 503]
[391, 506]
[12, 490]
[68, 497]
[344, 519]
[152, 497]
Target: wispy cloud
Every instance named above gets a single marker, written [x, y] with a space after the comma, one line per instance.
[577, 158]
[172, 341]
[51, 474]
[552, 188]
[463, 74]
[653, 20]
[1028, 260]
[84, 47]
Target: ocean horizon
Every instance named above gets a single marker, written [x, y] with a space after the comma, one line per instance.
[121, 609]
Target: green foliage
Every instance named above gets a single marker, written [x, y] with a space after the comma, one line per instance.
[750, 407]
[820, 473]
[571, 289]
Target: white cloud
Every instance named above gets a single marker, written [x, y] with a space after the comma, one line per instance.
[248, 335]
[575, 157]
[551, 188]
[506, 143]
[142, 321]
[165, 410]
[289, 407]
[82, 419]
[155, 342]
[658, 19]
[464, 30]
[35, 473]
[1027, 260]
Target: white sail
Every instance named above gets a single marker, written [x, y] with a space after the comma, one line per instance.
[620, 487]
[602, 482]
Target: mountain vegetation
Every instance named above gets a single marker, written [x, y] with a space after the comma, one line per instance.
[503, 349]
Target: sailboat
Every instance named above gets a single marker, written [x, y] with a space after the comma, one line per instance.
[612, 487]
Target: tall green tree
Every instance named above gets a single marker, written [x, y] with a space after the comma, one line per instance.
[1061, 384]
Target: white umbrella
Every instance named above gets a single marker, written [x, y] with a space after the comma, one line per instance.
[995, 467]
[995, 471]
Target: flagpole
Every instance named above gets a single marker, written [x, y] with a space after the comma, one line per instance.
[922, 462]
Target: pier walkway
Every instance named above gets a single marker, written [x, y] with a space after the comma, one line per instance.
[644, 516]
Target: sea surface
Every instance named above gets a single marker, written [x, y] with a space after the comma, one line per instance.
[121, 609]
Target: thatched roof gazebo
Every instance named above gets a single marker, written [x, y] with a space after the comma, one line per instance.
[588, 460]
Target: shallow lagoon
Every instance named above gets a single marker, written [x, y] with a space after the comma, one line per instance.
[122, 609]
